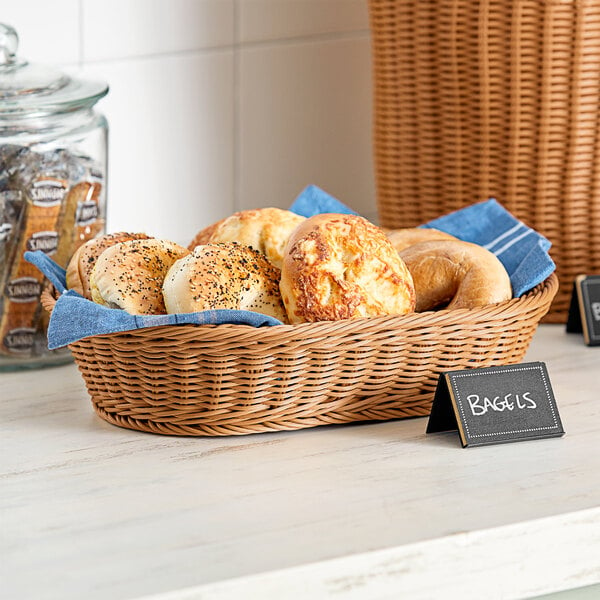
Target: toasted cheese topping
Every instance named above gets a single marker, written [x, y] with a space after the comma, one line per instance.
[343, 267]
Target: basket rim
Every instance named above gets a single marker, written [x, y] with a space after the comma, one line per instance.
[544, 292]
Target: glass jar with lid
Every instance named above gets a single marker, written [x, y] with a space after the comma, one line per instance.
[53, 161]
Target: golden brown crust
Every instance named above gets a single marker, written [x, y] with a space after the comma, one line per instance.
[342, 267]
[264, 229]
[227, 275]
[83, 260]
[455, 274]
[403, 238]
[129, 275]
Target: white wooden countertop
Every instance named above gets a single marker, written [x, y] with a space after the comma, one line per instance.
[92, 511]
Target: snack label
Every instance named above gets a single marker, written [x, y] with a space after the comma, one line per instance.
[46, 241]
[96, 174]
[5, 231]
[48, 192]
[87, 213]
[20, 339]
[23, 289]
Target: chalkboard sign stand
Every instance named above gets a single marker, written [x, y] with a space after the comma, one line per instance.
[443, 416]
[584, 310]
[494, 405]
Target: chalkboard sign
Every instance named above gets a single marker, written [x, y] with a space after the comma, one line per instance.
[494, 405]
[584, 312]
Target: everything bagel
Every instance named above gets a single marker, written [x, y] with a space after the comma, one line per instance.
[229, 275]
[129, 275]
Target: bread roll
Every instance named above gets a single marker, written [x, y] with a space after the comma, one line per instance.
[455, 274]
[129, 275]
[84, 258]
[228, 275]
[343, 267]
[403, 238]
[264, 229]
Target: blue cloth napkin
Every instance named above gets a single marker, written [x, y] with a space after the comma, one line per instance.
[74, 317]
[522, 251]
[312, 201]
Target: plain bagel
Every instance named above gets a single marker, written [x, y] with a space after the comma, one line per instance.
[264, 229]
[403, 238]
[455, 274]
[342, 267]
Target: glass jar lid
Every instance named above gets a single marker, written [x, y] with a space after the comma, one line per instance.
[29, 89]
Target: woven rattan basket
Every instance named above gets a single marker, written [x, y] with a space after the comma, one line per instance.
[235, 379]
[479, 99]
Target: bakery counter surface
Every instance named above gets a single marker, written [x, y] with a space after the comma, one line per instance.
[379, 510]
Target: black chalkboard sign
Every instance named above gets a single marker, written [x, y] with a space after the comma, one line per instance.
[584, 311]
[494, 405]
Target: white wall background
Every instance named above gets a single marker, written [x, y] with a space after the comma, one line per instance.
[216, 105]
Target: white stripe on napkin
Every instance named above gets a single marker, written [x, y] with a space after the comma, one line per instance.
[513, 241]
[504, 235]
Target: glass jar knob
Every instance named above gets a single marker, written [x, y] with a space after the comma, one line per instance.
[9, 42]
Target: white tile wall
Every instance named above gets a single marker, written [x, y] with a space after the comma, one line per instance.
[49, 32]
[305, 118]
[113, 29]
[217, 105]
[171, 142]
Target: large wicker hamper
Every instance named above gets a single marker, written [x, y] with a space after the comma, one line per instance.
[476, 99]
[236, 379]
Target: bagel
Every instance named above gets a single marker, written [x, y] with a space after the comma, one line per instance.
[84, 258]
[343, 267]
[264, 229]
[129, 275]
[228, 275]
[455, 274]
[403, 238]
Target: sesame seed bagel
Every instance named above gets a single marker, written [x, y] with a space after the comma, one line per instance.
[225, 275]
[130, 275]
[343, 267]
[456, 274]
[84, 258]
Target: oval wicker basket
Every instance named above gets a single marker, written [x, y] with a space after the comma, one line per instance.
[474, 100]
[235, 379]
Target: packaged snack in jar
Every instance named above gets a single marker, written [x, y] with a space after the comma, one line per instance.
[53, 157]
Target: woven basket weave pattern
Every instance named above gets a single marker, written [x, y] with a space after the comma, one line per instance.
[477, 99]
[233, 379]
